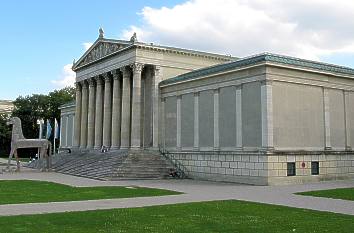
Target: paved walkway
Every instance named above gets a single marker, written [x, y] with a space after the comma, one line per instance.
[194, 191]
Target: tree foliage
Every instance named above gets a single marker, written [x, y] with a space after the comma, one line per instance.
[38, 106]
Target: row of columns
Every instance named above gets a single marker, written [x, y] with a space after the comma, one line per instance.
[109, 109]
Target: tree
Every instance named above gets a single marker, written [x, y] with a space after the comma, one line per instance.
[5, 135]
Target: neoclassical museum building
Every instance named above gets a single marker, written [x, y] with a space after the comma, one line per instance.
[263, 119]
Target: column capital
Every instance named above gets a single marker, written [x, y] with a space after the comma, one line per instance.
[99, 81]
[91, 82]
[107, 78]
[78, 86]
[157, 70]
[84, 84]
[137, 67]
[116, 74]
[125, 71]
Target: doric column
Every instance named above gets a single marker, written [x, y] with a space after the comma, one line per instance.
[116, 111]
[156, 78]
[179, 123]
[136, 106]
[77, 122]
[196, 121]
[216, 120]
[267, 114]
[84, 104]
[66, 130]
[99, 114]
[125, 123]
[91, 115]
[107, 111]
[239, 117]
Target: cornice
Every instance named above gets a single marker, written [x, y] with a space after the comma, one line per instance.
[266, 59]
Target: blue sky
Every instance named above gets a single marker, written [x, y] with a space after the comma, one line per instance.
[39, 38]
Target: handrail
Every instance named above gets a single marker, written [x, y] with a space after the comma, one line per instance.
[178, 165]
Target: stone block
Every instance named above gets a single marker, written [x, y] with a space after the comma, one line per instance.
[282, 158]
[282, 173]
[314, 157]
[214, 170]
[200, 157]
[245, 158]
[270, 166]
[211, 163]
[207, 169]
[237, 158]
[229, 171]
[277, 165]
[245, 172]
[237, 172]
[221, 170]
[194, 157]
[340, 163]
[272, 173]
[307, 158]
[217, 164]
[203, 163]
[197, 163]
[254, 158]
[222, 158]
[258, 166]
[241, 164]
[333, 164]
[262, 158]
[229, 158]
[273, 158]
[250, 165]
[263, 173]
[253, 172]
[233, 164]
[225, 164]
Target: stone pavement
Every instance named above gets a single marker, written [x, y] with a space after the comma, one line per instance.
[194, 191]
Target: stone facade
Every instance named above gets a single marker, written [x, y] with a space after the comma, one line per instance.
[117, 96]
[266, 119]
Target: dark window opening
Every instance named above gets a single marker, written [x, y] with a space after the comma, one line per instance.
[315, 168]
[291, 169]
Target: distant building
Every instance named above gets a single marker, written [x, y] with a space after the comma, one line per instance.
[6, 106]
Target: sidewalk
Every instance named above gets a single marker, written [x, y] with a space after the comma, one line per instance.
[195, 191]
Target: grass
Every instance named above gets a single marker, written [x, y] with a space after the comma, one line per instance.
[26, 191]
[204, 217]
[340, 193]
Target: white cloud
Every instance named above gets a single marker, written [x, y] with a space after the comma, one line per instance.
[303, 28]
[87, 45]
[66, 79]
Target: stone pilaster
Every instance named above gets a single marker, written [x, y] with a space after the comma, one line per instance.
[326, 119]
[347, 107]
[156, 78]
[216, 120]
[267, 115]
[77, 122]
[125, 123]
[179, 123]
[239, 117]
[116, 110]
[196, 122]
[84, 113]
[162, 123]
[91, 115]
[99, 114]
[136, 106]
[107, 111]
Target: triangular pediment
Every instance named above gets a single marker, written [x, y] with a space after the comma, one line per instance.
[99, 50]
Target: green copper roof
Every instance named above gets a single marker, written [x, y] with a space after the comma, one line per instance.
[257, 59]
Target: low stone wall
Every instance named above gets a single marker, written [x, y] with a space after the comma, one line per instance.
[261, 168]
[249, 168]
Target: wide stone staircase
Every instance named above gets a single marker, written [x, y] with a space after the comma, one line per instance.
[117, 165]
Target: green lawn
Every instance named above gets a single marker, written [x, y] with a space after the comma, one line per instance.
[25, 191]
[204, 217]
[342, 193]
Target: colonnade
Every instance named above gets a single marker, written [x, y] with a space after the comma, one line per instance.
[110, 109]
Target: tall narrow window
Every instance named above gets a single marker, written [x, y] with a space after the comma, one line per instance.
[315, 168]
[291, 169]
